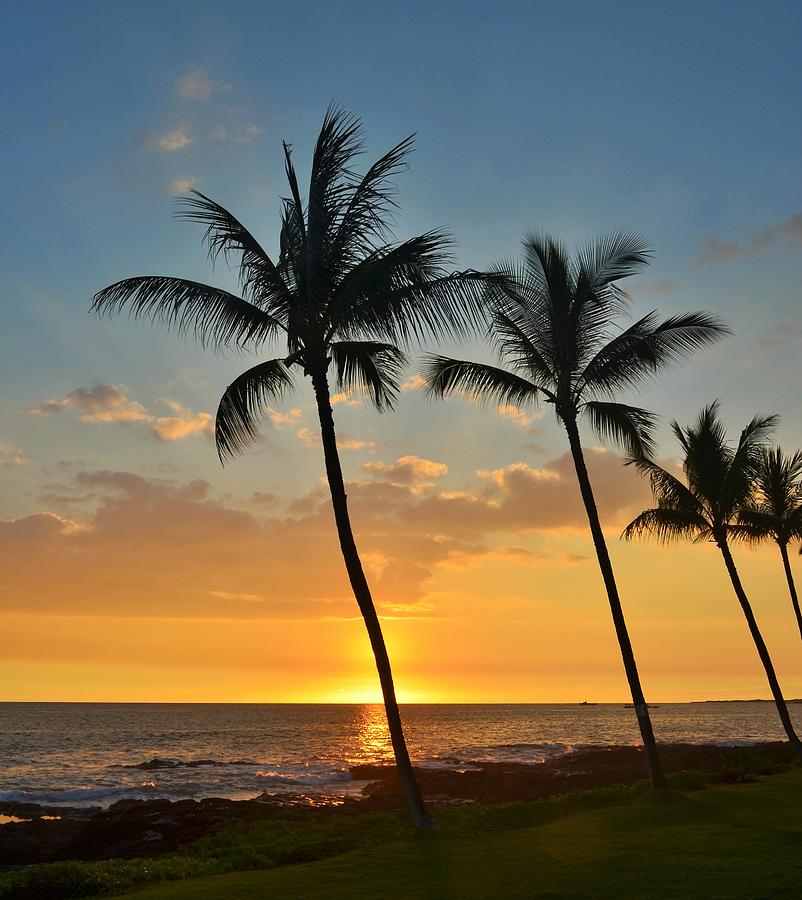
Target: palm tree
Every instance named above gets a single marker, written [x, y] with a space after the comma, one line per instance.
[776, 513]
[720, 483]
[552, 322]
[343, 297]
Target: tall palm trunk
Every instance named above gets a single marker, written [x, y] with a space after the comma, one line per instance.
[641, 709]
[364, 600]
[762, 650]
[791, 586]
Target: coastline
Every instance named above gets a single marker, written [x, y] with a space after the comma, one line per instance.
[136, 828]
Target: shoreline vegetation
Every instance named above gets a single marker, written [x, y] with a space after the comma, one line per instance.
[89, 852]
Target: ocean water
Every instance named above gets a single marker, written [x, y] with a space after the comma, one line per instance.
[86, 754]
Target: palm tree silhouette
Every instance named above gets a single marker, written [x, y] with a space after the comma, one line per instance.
[552, 321]
[720, 483]
[341, 295]
[776, 513]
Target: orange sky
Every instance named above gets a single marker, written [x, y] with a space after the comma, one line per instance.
[157, 588]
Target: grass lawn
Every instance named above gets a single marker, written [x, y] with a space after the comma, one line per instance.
[736, 841]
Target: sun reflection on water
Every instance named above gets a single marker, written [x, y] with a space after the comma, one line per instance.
[372, 736]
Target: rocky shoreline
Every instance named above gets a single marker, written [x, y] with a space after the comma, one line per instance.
[133, 828]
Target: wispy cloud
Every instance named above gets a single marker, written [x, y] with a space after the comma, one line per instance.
[100, 403]
[183, 424]
[195, 84]
[169, 141]
[713, 250]
[180, 185]
[415, 382]
[108, 403]
[11, 456]
[243, 134]
[659, 287]
[784, 333]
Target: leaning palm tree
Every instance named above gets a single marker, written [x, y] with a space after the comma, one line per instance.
[776, 513]
[720, 483]
[342, 297]
[552, 323]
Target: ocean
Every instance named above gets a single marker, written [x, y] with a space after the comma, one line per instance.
[93, 754]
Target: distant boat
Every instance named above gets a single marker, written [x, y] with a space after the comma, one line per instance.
[586, 703]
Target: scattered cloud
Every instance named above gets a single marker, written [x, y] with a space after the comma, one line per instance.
[519, 417]
[181, 186]
[347, 443]
[408, 471]
[232, 595]
[415, 382]
[712, 250]
[343, 399]
[100, 403]
[658, 287]
[195, 84]
[242, 134]
[784, 333]
[11, 456]
[308, 437]
[107, 403]
[169, 141]
[283, 419]
[183, 424]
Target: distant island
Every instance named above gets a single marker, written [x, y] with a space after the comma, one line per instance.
[747, 700]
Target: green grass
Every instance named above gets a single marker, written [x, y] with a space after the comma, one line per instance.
[735, 841]
[738, 841]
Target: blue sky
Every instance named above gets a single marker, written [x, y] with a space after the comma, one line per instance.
[682, 121]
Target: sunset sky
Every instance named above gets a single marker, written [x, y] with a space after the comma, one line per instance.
[134, 567]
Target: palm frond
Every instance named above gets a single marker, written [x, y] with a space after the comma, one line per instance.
[629, 427]
[739, 483]
[370, 367]
[646, 347]
[482, 383]
[755, 525]
[260, 279]
[403, 294]
[215, 317]
[365, 222]
[668, 490]
[244, 403]
[667, 525]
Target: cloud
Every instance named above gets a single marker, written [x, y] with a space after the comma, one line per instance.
[355, 444]
[519, 417]
[283, 419]
[415, 382]
[233, 596]
[183, 424]
[310, 438]
[100, 403]
[658, 287]
[181, 185]
[195, 84]
[712, 250]
[114, 543]
[108, 404]
[241, 134]
[784, 333]
[343, 399]
[169, 141]
[11, 456]
[408, 471]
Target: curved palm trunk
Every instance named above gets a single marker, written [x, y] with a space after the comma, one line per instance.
[364, 600]
[791, 586]
[762, 650]
[641, 709]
